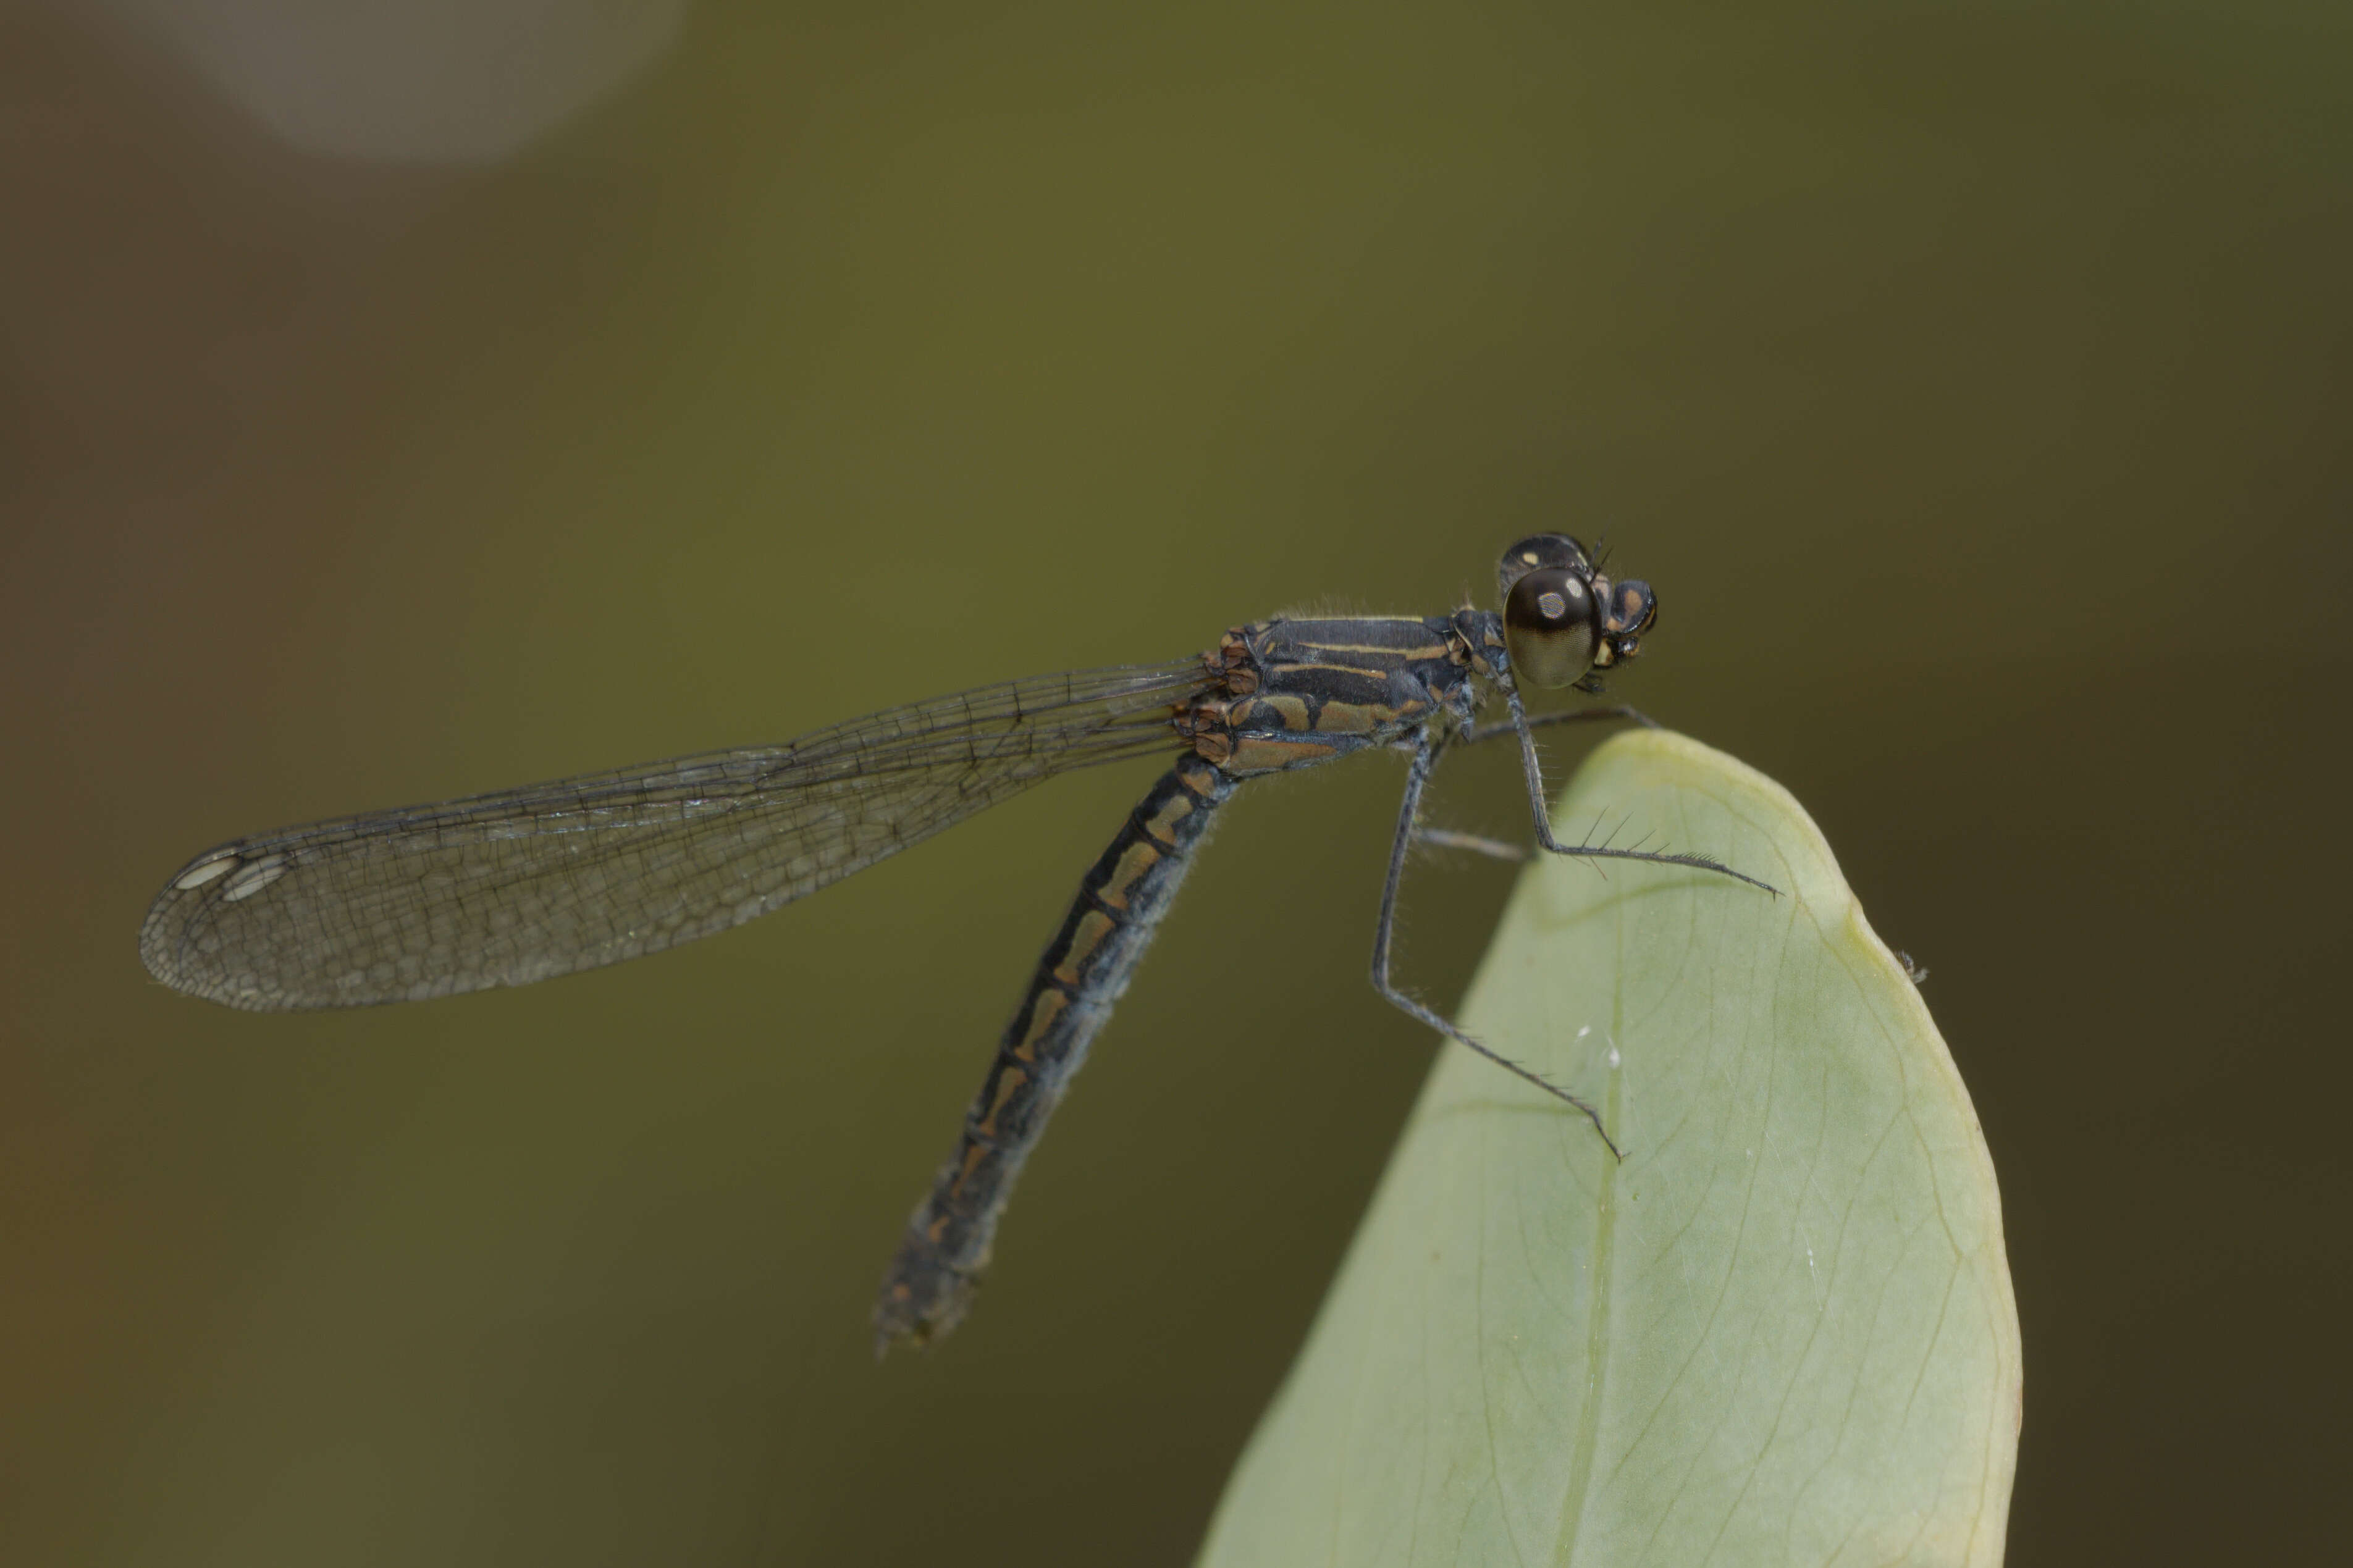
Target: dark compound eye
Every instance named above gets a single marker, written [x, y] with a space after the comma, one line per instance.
[1627, 610]
[1537, 553]
[1632, 608]
[1551, 627]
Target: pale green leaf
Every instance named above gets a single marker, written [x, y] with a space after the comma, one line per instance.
[1781, 1332]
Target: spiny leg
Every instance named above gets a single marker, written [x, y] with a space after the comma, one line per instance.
[1520, 724]
[1531, 766]
[1425, 758]
[1496, 848]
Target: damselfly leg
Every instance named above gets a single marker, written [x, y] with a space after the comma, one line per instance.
[1425, 759]
[1497, 849]
[1425, 754]
[1531, 768]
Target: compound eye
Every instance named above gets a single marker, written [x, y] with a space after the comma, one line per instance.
[1538, 551]
[1632, 608]
[1551, 628]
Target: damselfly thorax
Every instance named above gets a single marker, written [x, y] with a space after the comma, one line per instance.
[526, 884]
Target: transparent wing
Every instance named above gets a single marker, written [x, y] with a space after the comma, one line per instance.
[506, 889]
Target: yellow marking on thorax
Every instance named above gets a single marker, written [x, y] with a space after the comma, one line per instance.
[1291, 712]
[1359, 718]
[1286, 665]
[1271, 753]
[1433, 650]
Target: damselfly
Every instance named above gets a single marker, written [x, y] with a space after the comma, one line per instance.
[525, 884]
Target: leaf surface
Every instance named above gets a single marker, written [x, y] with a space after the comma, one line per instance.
[1781, 1332]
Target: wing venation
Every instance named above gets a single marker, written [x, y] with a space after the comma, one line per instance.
[523, 884]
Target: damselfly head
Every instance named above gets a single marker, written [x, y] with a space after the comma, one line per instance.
[1563, 620]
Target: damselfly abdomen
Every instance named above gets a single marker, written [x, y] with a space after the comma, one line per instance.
[529, 883]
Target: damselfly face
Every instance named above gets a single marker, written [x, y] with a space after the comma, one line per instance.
[1562, 619]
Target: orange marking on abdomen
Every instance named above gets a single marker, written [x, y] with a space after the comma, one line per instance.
[1008, 1084]
[1052, 1006]
[1089, 934]
[1161, 824]
[1134, 862]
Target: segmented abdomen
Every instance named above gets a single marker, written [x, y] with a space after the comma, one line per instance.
[1078, 979]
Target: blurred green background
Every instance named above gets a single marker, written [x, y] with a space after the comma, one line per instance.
[1972, 380]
